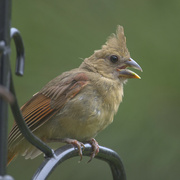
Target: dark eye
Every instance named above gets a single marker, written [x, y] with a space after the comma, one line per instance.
[113, 58]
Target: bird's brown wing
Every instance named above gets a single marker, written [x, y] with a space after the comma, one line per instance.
[45, 104]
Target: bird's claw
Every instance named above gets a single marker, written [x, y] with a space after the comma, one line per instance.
[77, 144]
[95, 148]
[80, 146]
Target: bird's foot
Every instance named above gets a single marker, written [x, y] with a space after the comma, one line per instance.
[77, 144]
[95, 148]
[80, 146]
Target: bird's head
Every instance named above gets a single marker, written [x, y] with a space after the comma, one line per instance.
[113, 59]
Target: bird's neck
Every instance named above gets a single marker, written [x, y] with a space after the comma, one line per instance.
[86, 65]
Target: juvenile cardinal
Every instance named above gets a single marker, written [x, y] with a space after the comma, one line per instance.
[75, 106]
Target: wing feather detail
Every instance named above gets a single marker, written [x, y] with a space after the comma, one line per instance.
[34, 113]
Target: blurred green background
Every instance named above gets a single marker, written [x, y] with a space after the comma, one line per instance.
[145, 132]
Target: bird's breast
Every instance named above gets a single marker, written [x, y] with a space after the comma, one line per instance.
[89, 112]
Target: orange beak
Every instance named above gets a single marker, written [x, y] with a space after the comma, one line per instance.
[126, 73]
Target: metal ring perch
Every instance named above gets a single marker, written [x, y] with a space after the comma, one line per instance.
[68, 151]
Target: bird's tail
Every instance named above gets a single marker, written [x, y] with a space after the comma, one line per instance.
[23, 148]
[12, 150]
[11, 156]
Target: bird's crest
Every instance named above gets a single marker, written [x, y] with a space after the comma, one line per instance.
[115, 42]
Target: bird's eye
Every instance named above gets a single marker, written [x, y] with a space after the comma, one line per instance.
[113, 58]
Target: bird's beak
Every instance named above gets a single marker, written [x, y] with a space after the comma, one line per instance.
[126, 73]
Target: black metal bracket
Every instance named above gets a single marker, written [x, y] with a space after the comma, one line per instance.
[68, 151]
[15, 34]
[24, 128]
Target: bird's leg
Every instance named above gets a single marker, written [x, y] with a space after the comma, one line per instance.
[74, 142]
[95, 148]
[79, 145]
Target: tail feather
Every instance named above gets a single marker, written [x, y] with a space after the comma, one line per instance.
[31, 153]
[11, 156]
[23, 148]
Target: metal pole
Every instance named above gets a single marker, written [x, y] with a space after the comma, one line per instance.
[5, 24]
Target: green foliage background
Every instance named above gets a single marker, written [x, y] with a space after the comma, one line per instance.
[145, 132]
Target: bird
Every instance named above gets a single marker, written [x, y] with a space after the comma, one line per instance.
[78, 104]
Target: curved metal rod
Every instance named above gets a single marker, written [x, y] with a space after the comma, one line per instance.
[68, 151]
[15, 34]
[24, 128]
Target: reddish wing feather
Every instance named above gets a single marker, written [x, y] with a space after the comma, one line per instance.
[33, 112]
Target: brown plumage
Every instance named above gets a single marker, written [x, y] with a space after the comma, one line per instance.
[78, 104]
